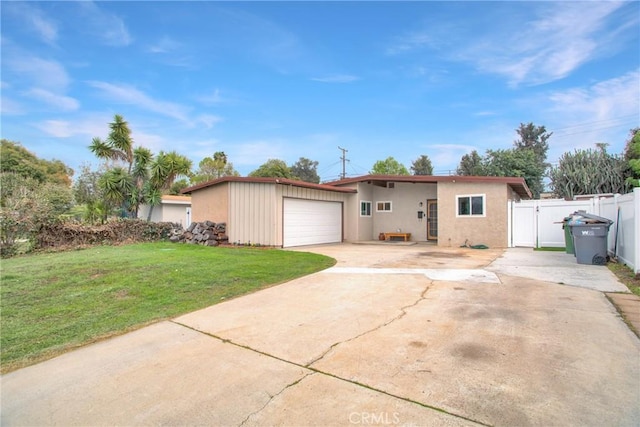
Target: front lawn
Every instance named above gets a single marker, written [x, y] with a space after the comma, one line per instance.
[53, 302]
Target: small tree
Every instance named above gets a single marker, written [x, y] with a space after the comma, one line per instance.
[26, 205]
[306, 170]
[215, 167]
[273, 168]
[422, 166]
[389, 166]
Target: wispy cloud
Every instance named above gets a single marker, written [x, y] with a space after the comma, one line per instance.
[107, 26]
[44, 73]
[34, 20]
[9, 106]
[85, 126]
[547, 44]
[165, 45]
[409, 42]
[60, 102]
[127, 94]
[255, 153]
[336, 78]
[586, 115]
[211, 98]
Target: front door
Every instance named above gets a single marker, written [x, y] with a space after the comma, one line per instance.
[432, 220]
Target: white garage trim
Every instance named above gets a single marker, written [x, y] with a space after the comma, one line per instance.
[311, 222]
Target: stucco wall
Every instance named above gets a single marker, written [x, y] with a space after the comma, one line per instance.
[176, 213]
[490, 230]
[211, 203]
[405, 199]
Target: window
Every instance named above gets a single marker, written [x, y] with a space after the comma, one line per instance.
[383, 206]
[365, 208]
[473, 205]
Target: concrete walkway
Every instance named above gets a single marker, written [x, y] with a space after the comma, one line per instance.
[389, 336]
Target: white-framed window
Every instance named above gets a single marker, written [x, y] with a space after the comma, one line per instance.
[471, 205]
[383, 207]
[365, 208]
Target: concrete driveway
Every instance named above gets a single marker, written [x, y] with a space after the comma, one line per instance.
[392, 335]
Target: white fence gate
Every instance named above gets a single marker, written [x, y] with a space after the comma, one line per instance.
[538, 223]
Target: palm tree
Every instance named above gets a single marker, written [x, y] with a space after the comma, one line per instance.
[118, 145]
[164, 170]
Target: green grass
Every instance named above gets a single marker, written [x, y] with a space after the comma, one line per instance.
[53, 302]
[626, 276]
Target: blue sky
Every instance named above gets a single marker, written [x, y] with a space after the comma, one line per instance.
[284, 80]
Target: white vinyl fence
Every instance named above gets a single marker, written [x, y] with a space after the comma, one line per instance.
[538, 223]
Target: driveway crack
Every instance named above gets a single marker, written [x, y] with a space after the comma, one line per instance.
[403, 312]
[331, 375]
[271, 397]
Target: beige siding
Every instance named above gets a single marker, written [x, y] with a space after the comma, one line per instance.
[253, 213]
[211, 203]
[490, 230]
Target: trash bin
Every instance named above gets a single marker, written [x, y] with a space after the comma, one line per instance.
[568, 238]
[590, 238]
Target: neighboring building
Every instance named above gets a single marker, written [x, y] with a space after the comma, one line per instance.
[451, 210]
[176, 209]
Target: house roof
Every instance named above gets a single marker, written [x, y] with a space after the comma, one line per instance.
[516, 183]
[169, 198]
[281, 181]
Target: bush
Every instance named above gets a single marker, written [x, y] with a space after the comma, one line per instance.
[65, 234]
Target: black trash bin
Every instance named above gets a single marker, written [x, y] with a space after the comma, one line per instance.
[590, 238]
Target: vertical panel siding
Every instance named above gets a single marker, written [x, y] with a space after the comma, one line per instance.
[252, 215]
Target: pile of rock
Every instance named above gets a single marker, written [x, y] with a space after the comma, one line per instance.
[206, 233]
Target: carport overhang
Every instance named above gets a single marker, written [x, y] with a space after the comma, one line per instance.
[517, 184]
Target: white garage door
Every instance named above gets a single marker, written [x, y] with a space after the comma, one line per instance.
[311, 222]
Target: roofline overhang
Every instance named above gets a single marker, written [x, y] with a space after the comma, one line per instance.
[518, 184]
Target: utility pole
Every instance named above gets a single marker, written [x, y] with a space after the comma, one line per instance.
[344, 159]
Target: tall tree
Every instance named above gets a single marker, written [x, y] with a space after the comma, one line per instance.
[215, 167]
[306, 170]
[471, 165]
[422, 166]
[534, 138]
[389, 166]
[632, 157]
[591, 171]
[136, 176]
[273, 168]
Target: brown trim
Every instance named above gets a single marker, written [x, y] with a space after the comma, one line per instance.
[517, 184]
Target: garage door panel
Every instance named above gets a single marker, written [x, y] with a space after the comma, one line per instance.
[311, 222]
